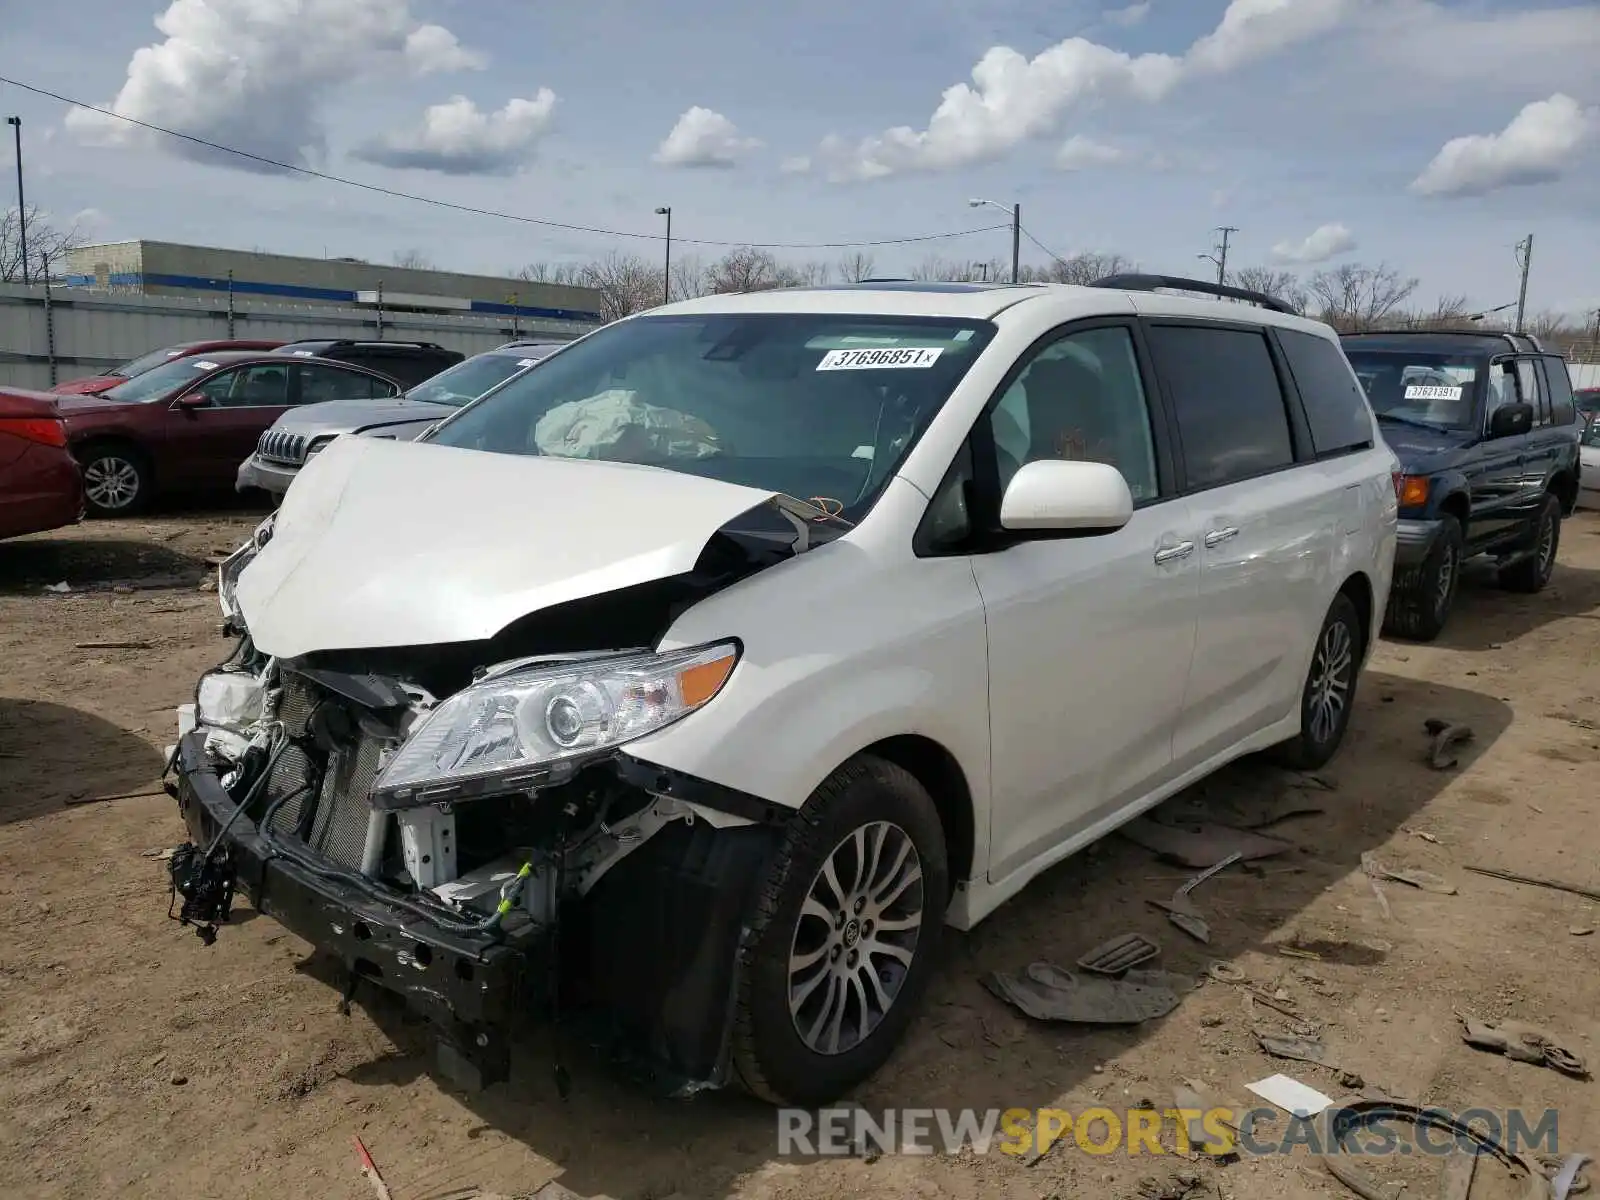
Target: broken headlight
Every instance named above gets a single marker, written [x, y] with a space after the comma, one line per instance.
[232, 566]
[509, 725]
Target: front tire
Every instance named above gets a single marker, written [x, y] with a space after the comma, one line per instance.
[1423, 596]
[1530, 574]
[117, 481]
[846, 933]
[1329, 693]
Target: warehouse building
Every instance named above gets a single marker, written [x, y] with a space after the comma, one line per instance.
[169, 269]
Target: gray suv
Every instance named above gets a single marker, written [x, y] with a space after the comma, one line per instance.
[301, 432]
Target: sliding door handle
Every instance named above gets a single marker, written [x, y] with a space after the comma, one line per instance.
[1217, 536]
[1173, 553]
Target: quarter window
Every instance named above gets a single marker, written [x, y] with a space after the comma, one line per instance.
[1335, 404]
[1532, 391]
[1559, 388]
[1079, 398]
[1232, 423]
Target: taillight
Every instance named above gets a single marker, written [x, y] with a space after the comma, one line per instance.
[47, 431]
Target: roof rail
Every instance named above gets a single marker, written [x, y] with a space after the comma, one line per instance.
[1518, 341]
[1149, 283]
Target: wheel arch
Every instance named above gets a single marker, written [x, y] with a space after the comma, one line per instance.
[1564, 486]
[1358, 587]
[940, 774]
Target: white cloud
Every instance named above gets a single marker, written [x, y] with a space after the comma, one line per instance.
[704, 137]
[1534, 148]
[458, 138]
[1128, 17]
[1078, 153]
[434, 50]
[798, 164]
[1013, 98]
[1321, 244]
[256, 74]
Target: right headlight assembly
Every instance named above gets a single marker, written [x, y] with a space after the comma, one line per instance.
[516, 727]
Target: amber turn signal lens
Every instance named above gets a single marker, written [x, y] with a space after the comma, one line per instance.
[1413, 491]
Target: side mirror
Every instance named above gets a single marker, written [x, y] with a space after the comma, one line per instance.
[1509, 420]
[192, 400]
[1054, 495]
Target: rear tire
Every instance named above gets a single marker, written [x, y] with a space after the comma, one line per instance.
[117, 481]
[1530, 574]
[845, 936]
[1329, 693]
[1422, 597]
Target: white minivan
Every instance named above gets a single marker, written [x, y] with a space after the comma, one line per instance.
[696, 680]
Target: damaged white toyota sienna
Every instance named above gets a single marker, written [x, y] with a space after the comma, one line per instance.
[691, 683]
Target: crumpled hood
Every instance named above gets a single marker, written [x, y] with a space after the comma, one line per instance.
[382, 543]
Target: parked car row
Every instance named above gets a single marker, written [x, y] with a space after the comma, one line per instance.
[744, 645]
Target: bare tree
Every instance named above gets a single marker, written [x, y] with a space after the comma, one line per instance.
[749, 269]
[626, 283]
[688, 277]
[413, 260]
[48, 245]
[855, 266]
[1280, 285]
[1085, 268]
[1355, 297]
[566, 273]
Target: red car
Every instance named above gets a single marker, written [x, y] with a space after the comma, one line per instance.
[93, 385]
[40, 486]
[188, 424]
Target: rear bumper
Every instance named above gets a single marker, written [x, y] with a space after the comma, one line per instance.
[1414, 541]
[469, 987]
[255, 472]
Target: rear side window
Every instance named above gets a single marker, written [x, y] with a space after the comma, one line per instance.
[1232, 423]
[1558, 384]
[1531, 389]
[1336, 406]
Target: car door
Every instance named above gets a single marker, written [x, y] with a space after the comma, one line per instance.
[1543, 445]
[214, 438]
[1089, 637]
[1267, 527]
[1496, 469]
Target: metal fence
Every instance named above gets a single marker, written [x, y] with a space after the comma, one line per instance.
[52, 334]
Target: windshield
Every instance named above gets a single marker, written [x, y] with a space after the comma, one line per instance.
[145, 362]
[1418, 387]
[468, 380]
[1591, 434]
[821, 407]
[162, 381]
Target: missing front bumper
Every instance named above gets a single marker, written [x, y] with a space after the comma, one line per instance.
[649, 957]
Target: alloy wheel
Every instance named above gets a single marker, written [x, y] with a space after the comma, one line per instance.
[856, 938]
[110, 482]
[1445, 581]
[1547, 544]
[1331, 673]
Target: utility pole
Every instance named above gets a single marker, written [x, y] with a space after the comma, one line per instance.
[666, 269]
[1016, 240]
[22, 204]
[1525, 260]
[1227, 231]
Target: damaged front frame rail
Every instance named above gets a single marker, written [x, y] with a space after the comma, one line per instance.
[658, 938]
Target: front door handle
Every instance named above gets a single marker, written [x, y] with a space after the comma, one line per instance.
[1217, 536]
[1172, 553]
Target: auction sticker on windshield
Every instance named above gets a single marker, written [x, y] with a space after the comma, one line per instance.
[868, 360]
[1418, 391]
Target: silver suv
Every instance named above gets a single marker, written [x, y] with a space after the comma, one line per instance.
[301, 432]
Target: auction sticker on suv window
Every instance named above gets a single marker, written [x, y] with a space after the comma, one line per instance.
[1419, 391]
[868, 360]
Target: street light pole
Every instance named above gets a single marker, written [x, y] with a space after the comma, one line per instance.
[1016, 231]
[666, 270]
[22, 206]
[1227, 231]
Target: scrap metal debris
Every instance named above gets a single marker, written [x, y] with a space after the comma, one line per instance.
[1119, 954]
[1447, 737]
[1564, 1174]
[1177, 1186]
[1201, 843]
[370, 1169]
[1297, 1049]
[1047, 992]
[1427, 881]
[1523, 1043]
[1182, 912]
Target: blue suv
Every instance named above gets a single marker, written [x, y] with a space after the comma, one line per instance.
[1486, 430]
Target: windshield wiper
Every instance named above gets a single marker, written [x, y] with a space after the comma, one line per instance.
[1411, 421]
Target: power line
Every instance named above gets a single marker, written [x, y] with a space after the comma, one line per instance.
[295, 168]
[1042, 246]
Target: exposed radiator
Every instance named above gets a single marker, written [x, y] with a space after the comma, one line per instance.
[344, 821]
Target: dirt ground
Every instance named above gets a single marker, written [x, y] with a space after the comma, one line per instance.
[136, 1062]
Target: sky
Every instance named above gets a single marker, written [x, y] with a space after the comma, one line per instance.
[1431, 136]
